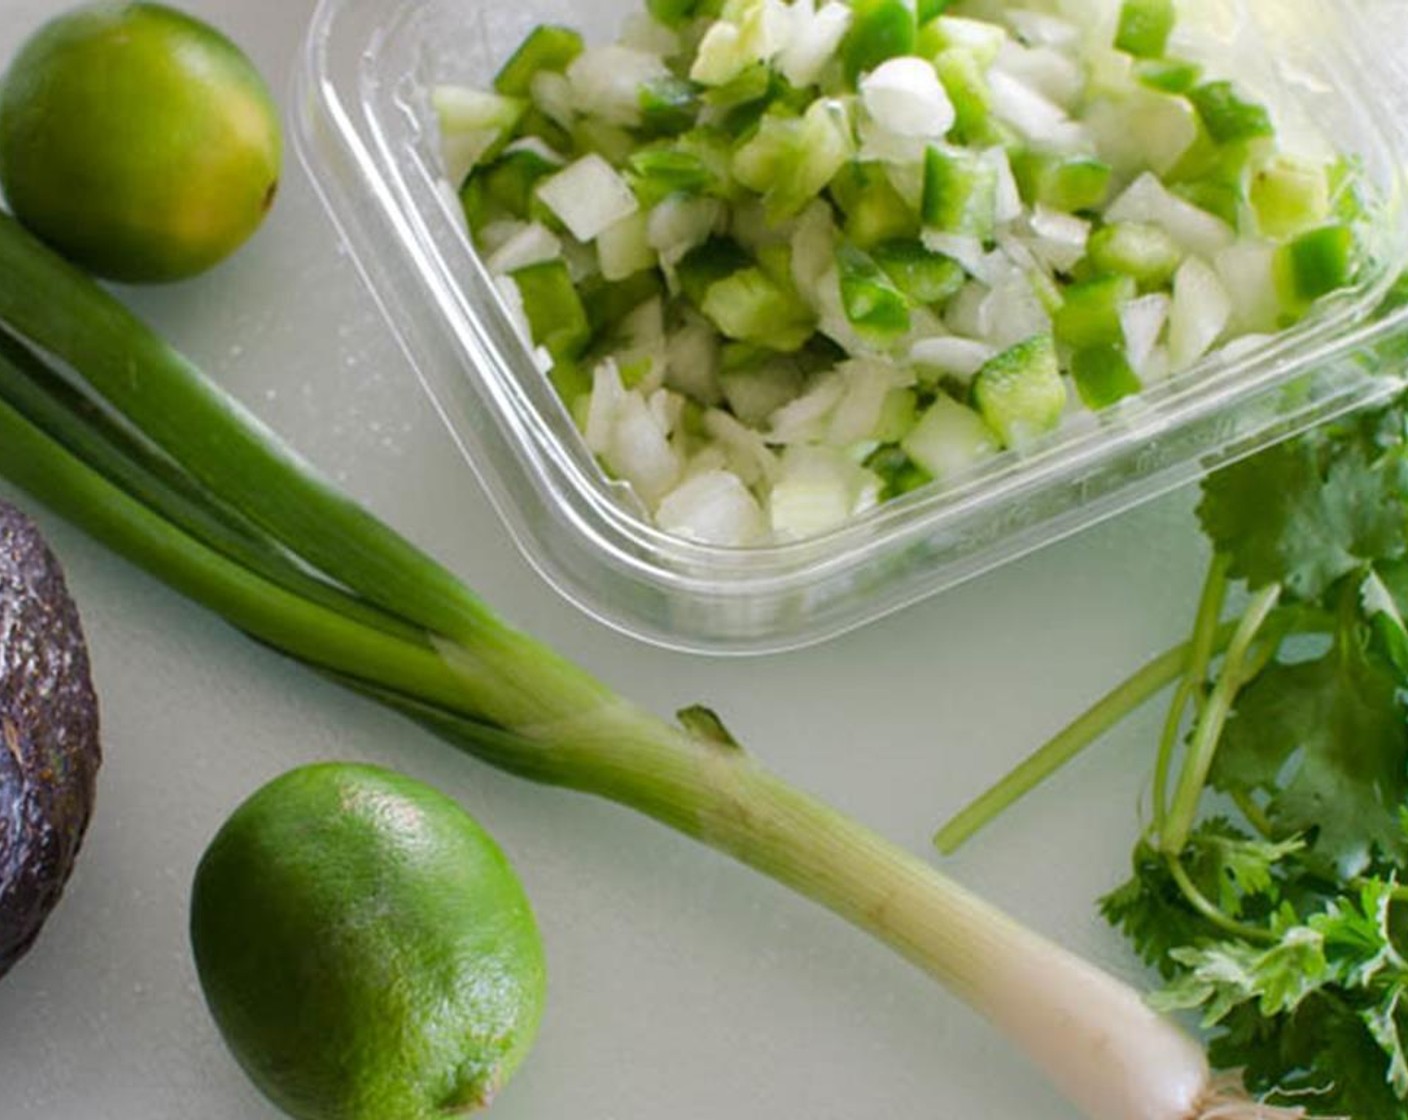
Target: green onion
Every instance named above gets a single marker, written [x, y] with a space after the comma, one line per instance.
[54, 307]
[443, 659]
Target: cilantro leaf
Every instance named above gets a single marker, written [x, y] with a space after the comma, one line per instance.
[1383, 1023]
[1321, 1056]
[1317, 1017]
[1241, 873]
[1308, 512]
[1358, 940]
[1383, 601]
[1152, 913]
[1326, 741]
[1244, 868]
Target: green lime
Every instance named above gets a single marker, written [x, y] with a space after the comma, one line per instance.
[138, 141]
[365, 948]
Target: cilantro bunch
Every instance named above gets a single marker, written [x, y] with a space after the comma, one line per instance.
[1265, 886]
[1279, 919]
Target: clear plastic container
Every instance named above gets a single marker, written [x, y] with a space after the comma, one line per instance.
[368, 137]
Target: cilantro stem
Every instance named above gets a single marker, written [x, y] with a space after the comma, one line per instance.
[1067, 743]
[1208, 731]
[1256, 816]
[1203, 647]
[1213, 913]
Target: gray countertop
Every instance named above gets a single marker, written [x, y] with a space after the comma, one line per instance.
[682, 986]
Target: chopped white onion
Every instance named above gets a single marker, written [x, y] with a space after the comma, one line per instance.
[756, 392]
[1142, 323]
[816, 490]
[471, 121]
[1200, 312]
[879, 144]
[949, 439]
[952, 355]
[904, 96]
[748, 453]
[1060, 239]
[513, 305]
[639, 451]
[1009, 199]
[967, 251]
[1044, 29]
[678, 223]
[692, 360]
[1053, 74]
[964, 313]
[813, 247]
[816, 35]
[1143, 129]
[803, 419]
[606, 81]
[587, 195]
[1195, 230]
[1247, 272]
[1031, 114]
[531, 243]
[642, 32]
[604, 404]
[868, 381]
[980, 37]
[712, 507]
[1011, 310]
[623, 248]
[552, 93]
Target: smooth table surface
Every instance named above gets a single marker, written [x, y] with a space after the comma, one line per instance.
[682, 986]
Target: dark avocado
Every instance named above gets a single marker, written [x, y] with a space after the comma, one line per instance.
[49, 751]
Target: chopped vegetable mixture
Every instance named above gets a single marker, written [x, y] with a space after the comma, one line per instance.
[784, 261]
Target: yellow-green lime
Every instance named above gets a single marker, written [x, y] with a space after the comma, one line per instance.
[137, 140]
[365, 947]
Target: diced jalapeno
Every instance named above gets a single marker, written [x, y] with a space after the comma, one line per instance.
[556, 317]
[1103, 376]
[1144, 27]
[547, 47]
[960, 193]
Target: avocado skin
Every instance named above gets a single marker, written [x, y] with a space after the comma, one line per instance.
[49, 749]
